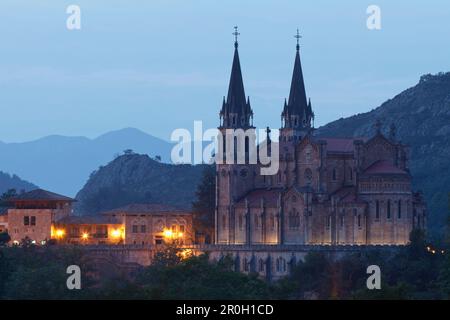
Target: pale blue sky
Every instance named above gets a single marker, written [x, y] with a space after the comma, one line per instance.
[160, 65]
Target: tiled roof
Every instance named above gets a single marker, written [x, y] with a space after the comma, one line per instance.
[88, 220]
[346, 194]
[40, 194]
[383, 167]
[147, 208]
[254, 197]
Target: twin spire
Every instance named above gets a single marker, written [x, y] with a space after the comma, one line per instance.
[236, 111]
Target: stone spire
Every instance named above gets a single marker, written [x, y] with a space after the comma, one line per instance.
[297, 112]
[236, 110]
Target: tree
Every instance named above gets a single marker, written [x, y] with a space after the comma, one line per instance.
[199, 278]
[4, 238]
[11, 193]
[204, 205]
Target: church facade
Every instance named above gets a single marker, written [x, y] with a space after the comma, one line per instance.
[327, 191]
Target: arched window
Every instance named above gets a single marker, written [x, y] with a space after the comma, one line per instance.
[246, 264]
[377, 209]
[280, 264]
[388, 209]
[291, 220]
[399, 209]
[359, 221]
[224, 222]
[308, 176]
[240, 219]
[272, 222]
[256, 219]
[261, 265]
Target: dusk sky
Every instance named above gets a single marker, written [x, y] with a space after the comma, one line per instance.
[160, 65]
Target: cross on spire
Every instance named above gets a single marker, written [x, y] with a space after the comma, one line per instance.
[298, 36]
[236, 34]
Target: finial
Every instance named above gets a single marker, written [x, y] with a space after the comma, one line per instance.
[236, 34]
[298, 36]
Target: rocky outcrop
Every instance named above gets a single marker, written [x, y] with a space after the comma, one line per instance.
[136, 178]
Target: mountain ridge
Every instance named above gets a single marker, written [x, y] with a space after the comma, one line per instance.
[421, 115]
[63, 163]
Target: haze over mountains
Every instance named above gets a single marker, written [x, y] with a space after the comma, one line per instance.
[63, 164]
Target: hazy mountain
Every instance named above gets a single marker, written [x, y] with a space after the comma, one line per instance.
[63, 164]
[8, 181]
[422, 117]
[136, 178]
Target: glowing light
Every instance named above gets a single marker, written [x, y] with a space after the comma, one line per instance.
[168, 233]
[116, 233]
[180, 234]
[186, 253]
[85, 236]
[60, 233]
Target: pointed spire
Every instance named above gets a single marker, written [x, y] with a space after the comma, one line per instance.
[237, 108]
[297, 107]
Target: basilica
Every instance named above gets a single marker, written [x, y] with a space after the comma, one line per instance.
[327, 191]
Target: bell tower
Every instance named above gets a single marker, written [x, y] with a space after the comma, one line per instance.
[297, 112]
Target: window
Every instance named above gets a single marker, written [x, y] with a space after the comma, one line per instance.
[261, 265]
[134, 229]
[182, 228]
[280, 265]
[33, 220]
[377, 210]
[174, 228]
[359, 221]
[246, 265]
[328, 222]
[342, 221]
[224, 222]
[308, 177]
[388, 209]
[399, 209]
[26, 221]
[294, 220]
[241, 223]
[350, 171]
[334, 174]
[272, 222]
[158, 240]
[143, 228]
[256, 221]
